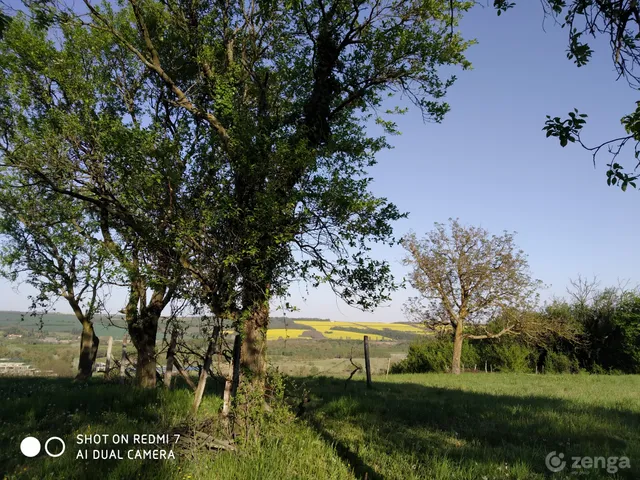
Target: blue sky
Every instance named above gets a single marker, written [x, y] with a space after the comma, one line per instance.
[490, 165]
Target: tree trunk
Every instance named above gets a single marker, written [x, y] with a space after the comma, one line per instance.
[146, 364]
[88, 350]
[171, 355]
[254, 341]
[143, 335]
[233, 378]
[107, 365]
[226, 398]
[457, 349]
[202, 382]
[184, 375]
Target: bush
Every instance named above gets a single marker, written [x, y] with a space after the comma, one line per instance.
[560, 363]
[513, 357]
[599, 370]
[507, 355]
[434, 355]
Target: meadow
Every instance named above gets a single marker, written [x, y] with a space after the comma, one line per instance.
[485, 426]
[428, 426]
[298, 357]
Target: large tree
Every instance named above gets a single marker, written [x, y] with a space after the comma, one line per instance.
[286, 89]
[467, 278]
[79, 125]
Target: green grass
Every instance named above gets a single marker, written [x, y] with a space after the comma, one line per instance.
[478, 426]
[56, 407]
[431, 426]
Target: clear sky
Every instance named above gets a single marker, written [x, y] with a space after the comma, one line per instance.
[489, 164]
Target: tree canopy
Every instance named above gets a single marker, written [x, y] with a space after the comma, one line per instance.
[467, 277]
[224, 148]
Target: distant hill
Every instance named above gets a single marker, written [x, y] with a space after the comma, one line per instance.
[280, 327]
[60, 323]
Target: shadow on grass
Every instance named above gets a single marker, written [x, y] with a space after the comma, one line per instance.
[394, 431]
[409, 430]
[45, 407]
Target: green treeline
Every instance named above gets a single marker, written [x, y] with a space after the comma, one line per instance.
[608, 341]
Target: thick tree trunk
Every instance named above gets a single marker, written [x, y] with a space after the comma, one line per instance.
[146, 365]
[143, 335]
[457, 349]
[254, 342]
[88, 350]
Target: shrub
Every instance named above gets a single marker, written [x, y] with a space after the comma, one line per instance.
[513, 357]
[560, 363]
[507, 355]
[599, 370]
[434, 356]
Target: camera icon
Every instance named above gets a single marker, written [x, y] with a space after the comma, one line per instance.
[30, 447]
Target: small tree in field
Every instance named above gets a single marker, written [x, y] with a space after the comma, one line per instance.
[466, 278]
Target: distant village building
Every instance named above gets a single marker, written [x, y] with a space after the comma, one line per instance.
[20, 369]
[14, 335]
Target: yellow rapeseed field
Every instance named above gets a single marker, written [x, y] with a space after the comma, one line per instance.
[325, 326]
[327, 329]
[398, 327]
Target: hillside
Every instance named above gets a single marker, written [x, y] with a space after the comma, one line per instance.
[279, 328]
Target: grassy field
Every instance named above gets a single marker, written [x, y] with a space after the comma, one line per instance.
[479, 426]
[293, 357]
[476, 426]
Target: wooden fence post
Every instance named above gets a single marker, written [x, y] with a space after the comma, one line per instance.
[367, 363]
[171, 355]
[388, 366]
[237, 348]
[123, 359]
[107, 365]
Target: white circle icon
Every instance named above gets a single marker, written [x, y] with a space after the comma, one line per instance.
[30, 447]
[46, 447]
